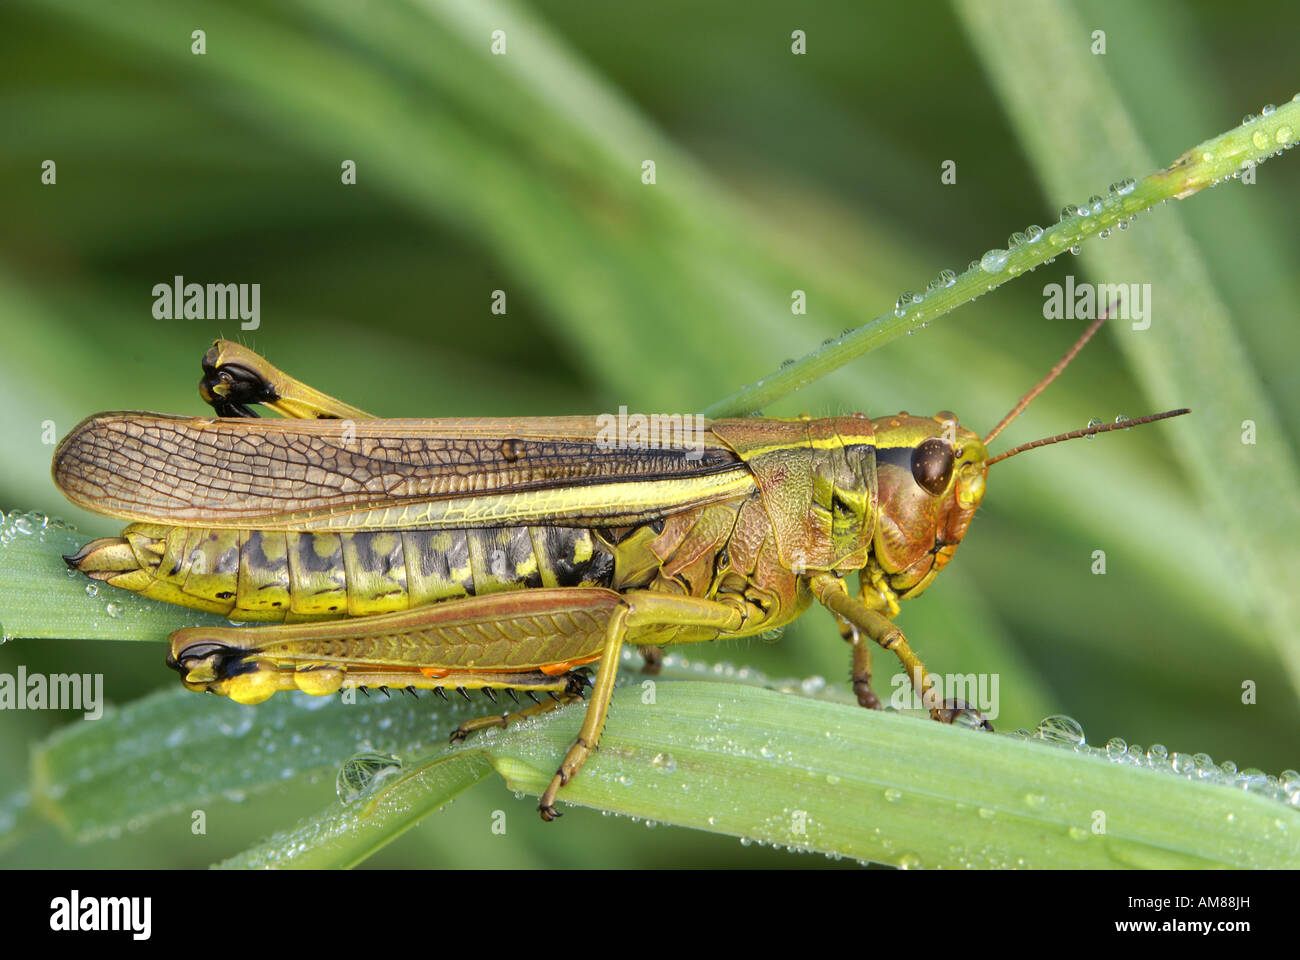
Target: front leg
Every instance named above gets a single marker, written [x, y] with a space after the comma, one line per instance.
[833, 595]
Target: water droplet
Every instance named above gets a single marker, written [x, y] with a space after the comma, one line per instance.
[1260, 139]
[363, 772]
[1283, 134]
[24, 525]
[1033, 233]
[1267, 110]
[1035, 800]
[987, 813]
[1104, 234]
[1094, 422]
[994, 261]
[811, 686]
[1077, 833]
[1076, 249]
[1122, 419]
[1116, 747]
[114, 610]
[237, 723]
[909, 861]
[1095, 203]
[893, 794]
[665, 762]
[1248, 119]
[92, 589]
[947, 277]
[1061, 730]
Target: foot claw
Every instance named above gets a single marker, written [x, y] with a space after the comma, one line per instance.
[866, 696]
[952, 709]
[549, 813]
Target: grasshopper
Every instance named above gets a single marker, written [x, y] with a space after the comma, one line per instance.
[506, 554]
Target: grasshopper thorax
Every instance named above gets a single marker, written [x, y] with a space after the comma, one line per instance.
[930, 476]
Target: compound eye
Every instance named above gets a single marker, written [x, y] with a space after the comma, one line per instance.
[932, 465]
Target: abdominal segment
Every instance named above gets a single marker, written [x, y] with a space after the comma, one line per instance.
[287, 576]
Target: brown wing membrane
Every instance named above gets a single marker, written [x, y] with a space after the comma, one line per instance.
[341, 474]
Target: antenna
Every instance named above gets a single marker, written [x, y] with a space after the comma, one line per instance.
[1088, 431]
[1052, 374]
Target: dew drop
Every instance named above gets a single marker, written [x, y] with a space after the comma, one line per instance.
[1061, 730]
[665, 762]
[363, 772]
[994, 261]
[1094, 422]
[1267, 110]
[114, 610]
[947, 277]
[893, 794]
[92, 589]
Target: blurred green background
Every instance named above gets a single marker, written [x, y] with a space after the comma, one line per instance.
[774, 172]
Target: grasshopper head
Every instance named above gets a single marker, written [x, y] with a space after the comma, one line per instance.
[930, 474]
